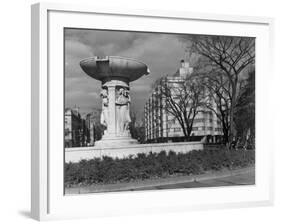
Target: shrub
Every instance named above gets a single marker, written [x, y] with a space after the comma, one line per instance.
[154, 165]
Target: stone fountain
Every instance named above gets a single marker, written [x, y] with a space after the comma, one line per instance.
[115, 74]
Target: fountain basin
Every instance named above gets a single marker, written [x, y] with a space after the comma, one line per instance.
[114, 67]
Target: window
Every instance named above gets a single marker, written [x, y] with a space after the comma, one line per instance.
[209, 113]
[199, 120]
[172, 121]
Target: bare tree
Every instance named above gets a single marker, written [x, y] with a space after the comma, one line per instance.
[217, 98]
[229, 56]
[182, 99]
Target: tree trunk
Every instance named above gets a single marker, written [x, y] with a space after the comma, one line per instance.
[232, 106]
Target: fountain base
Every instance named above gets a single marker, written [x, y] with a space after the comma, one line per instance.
[114, 141]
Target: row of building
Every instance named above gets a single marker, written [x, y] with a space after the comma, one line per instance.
[80, 131]
[162, 126]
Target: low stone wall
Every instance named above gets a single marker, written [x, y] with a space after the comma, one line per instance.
[77, 154]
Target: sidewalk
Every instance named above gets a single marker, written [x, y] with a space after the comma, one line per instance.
[245, 176]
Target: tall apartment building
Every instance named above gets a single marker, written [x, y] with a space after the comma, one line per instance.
[162, 126]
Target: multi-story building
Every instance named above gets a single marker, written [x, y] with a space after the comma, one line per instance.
[90, 129]
[162, 126]
[74, 128]
[92, 121]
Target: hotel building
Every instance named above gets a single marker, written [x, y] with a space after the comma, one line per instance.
[162, 126]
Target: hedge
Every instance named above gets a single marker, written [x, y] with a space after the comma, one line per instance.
[154, 165]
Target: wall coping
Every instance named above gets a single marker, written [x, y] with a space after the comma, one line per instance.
[93, 148]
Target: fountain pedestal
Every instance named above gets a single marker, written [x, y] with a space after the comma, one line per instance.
[115, 74]
[113, 136]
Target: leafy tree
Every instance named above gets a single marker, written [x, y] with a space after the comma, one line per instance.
[244, 115]
[137, 129]
[98, 132]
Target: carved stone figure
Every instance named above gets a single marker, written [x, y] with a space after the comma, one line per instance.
[104, 112]
[123, 111]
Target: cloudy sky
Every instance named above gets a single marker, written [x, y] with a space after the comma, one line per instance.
[161, 52]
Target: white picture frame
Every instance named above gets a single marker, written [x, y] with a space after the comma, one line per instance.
[47, 199]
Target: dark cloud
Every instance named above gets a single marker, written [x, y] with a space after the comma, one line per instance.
[104, 42]
[161, 52]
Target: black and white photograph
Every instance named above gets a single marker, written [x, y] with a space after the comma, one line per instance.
[155, 111]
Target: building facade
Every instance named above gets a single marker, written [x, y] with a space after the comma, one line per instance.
[81, 131]
[162, 126]
[93, 132]
[74, 128]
